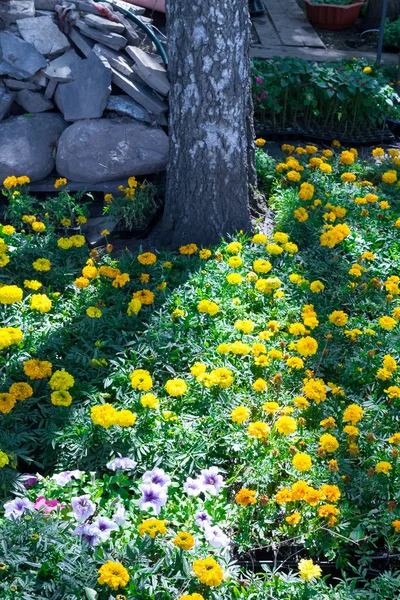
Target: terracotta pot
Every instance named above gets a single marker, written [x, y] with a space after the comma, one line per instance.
[151, 4]
[332, 16]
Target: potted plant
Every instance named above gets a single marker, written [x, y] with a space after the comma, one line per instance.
[333, 14]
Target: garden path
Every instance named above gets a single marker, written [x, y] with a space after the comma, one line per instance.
[284, 31]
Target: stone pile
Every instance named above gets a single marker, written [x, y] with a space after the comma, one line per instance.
[82, 89]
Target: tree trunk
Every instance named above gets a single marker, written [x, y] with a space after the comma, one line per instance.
[374, 13]
[210, 160]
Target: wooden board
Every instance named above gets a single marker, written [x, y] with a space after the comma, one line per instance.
[315, 54]
[265, 31]
[291, 24]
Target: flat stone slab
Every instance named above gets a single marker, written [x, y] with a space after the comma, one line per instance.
[94, 226]
[105, 149]
[33, 102]
[12, 10]
[6, 100]
[113, 40]
[27, 145]
[137, 10]
[83, 43]
[86, 96]
[139, 92]
[126, 106]
[16, 85]
[114, 59]
[18, 58]
[86, 7]
[103, 24]
[44, 34]
[46, 4]
[151, 71]
[59, 69]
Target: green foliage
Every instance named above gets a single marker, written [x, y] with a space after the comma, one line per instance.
[392, 33]
[133, 210]
[265, 167]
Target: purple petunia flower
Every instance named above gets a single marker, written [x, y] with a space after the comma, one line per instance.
[258, 79]
[193, 487]
[202, 519]
[104, 526]
[83, 507]
[65, 477]
[120, 515]
[89, 533]
[14, 509]
[48, 505]
[125, 464]
[28, 480]
[157, 477]
[154, 496]
[211, 480]
[216, 537]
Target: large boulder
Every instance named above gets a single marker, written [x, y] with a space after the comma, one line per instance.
[107, 149]
[27, 145]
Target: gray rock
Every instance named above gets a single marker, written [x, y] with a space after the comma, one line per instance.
[86, 7]
[127, 107]
[12, 10]
[39, 79]
[51, 88]
[136, 10]
[46, 4]
[33, 102]
[83, 43]
[6, 100]
[139, 92]
[104, 24]
[103, 149]
[113, 40]
[16, 85]
[86, 96]
[93, 227]
[44, 34]
[150, 70]
[114, 59]
[59, 69]
[27, 145]
[18, 58]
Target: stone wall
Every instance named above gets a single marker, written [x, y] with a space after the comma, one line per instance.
[82, 90]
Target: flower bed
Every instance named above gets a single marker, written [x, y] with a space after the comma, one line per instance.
[187, 412]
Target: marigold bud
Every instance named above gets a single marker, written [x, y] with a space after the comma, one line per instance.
[371, 353]
[321, 452]
[301, 421]
[275, 452]
[293, 450]
[391, 505]
[370, 437]
[302, 444]
[264, 500]
[395, 453]
[370, 472]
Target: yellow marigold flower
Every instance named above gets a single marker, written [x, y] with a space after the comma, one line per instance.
[330, 492]
[7, 403]
[393, 391]
[167, 265]
[270, 407]
[259, 238]
[389, 177]
[198, 369]
[40, 302]
[274, 249]
[10, 336]
[286, 425]
[240, 414]
[302, 462]
[141, 380]
[293, 519]
[260, 142]
[346, 157]
[259, 385]
[326, 510]
[60, 182]
[308, 570]
[61, 398]
[208, 307]
[21, 391]
[245, 326]
[38, 226]
[306, 191]
[328, 442]
[353, 414]
[334, 236]
[61, 380]
[258, 429]
[396, 313]
[146, 297]
[235, 262]
[338, 318]
[299, 490]
[283, 496]
[89, 272]
[81, 220]
[125, 418]
[301, 402]
[66, 222]
[188, 249]
[325, 168]
[121, 280]
[234, 278]
[396, 525]
[297, 329]
[315, 389]
[395, 438]
[301, 214]
[8, 230]
[149, 401]
[9, 294]
[113, 574]
[41, 264]
[384, 374]
[307, 346]
[81, 282]
[93, 312]
[262, 266]
[4, 260]
[295, 363]
[348, 177]
[383, 467]
[268, 285]
[389, 363]
[317, 286]
[184, 540]
[351, 430]
[134, 307]
[77, 240]
[291, 248]
[104, 415]
[4, 460]
[244, 497]
[152, 527]
[175, 387]
[147, 258]
[37, 369]
[387, 323]
[10, 182]
[208, 571]
[293, 176]
[205, 254]
[384, 205]
[65, 243]
[328, 423]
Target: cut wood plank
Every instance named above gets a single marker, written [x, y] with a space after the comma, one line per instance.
[265, 31]
[315, 54]
[291, 24]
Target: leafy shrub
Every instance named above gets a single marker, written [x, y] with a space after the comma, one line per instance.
[392, 33]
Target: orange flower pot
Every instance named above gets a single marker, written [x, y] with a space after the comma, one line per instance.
[332, 16]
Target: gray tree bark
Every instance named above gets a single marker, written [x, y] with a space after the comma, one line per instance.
[210, 122]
